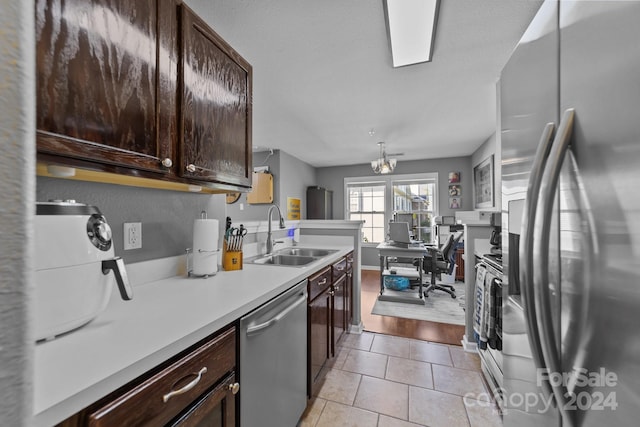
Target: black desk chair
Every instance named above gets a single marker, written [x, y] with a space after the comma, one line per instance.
[441, 260]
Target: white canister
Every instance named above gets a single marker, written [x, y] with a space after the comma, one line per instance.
[205, 247]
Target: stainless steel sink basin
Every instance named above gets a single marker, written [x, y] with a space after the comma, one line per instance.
[291, 260]
[306, 252]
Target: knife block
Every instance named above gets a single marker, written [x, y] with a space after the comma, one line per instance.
[231, 260]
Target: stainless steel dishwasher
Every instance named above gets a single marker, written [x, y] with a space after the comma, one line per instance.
[273, 361]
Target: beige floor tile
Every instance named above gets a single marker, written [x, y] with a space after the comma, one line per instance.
[386, 421]
[429, 352]
[335, 414]
[337, 362]
[408, 371]
[384, 397]
[482, 413]
[364, 362]
[312, 413]
[436, 409]
[340, 386]
[458, 381]
[360, 341]
[464, 359]
[392, 346]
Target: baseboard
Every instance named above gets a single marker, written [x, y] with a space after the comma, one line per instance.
[469, 346]
[356, 329]
[370, 267]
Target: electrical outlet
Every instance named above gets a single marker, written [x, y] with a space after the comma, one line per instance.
[132, 235]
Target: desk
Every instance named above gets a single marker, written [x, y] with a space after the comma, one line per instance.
[386, 250]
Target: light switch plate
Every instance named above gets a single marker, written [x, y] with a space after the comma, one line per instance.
[132, 235]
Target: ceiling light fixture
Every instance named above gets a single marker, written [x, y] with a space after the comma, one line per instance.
[411, 25]
[383, 165]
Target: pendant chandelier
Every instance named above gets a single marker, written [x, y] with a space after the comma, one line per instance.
[383, 165]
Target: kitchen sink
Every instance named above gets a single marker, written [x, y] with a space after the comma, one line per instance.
[293, 257]
[290, 260]
[306, 252]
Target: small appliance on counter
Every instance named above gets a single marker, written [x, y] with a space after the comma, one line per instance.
[204, 262]
[74, 259]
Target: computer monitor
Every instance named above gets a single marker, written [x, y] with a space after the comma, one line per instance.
[399, 232]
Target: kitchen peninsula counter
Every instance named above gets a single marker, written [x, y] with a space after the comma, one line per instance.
[165, 317]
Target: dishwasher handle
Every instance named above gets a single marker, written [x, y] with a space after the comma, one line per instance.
[253, 330]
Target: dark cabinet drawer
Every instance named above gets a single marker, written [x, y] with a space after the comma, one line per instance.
[164, 395]
[319, 282]
[339, 269]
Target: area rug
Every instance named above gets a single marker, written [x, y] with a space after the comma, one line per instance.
[438, 307]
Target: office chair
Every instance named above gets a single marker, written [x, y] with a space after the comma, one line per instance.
[441, 260]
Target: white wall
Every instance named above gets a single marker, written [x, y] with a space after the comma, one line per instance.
[17, 187]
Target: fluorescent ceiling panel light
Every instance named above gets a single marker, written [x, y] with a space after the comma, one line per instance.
[411, 25]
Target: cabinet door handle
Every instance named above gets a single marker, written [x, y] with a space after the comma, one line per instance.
[167, 163]
[186, 388]
[191, 168]
[322, 282]
[235, 387]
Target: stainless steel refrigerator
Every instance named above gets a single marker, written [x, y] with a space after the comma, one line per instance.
[570, 135]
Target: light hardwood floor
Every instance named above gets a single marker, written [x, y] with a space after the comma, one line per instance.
[408, 328]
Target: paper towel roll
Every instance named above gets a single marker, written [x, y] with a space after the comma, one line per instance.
[205, 247]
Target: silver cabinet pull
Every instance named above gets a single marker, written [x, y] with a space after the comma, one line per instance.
[167, 163]
[186, 388]
[191, 167]
[322, 282]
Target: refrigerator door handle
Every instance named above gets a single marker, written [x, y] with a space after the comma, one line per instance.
[526, 247]
[542, 235]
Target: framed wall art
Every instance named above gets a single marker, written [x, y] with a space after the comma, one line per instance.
[483, 183]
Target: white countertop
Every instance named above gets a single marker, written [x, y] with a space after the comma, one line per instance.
[164, 318]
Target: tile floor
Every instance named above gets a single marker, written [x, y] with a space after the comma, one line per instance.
[379, 380]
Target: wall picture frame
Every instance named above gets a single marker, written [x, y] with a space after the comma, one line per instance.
[483, 183]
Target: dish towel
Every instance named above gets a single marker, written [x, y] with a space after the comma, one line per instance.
[479, 316]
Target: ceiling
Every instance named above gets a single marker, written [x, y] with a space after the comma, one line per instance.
[323, 77]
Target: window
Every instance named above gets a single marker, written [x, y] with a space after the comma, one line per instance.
[413, 203]
[408, 198]
[367, 203]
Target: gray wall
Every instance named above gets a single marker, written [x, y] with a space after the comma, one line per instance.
[243, 211]
[296, 176]
[291, 177]
[332, 178]
[166, 216]
[17, 177]
[490, 148]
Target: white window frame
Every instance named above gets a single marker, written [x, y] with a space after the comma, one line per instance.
[388, 193]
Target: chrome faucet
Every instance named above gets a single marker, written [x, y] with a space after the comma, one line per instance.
[270, 241]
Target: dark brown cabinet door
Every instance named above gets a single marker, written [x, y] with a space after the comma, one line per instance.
[319, 323]
[103, 87]
[339, 312]
[216, 107]
[217, 408]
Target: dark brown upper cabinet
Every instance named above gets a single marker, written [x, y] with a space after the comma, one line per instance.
[144, 89]
[216, 106]
[104, 85]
